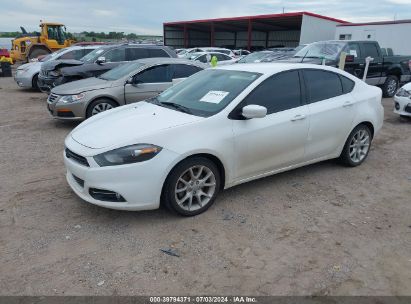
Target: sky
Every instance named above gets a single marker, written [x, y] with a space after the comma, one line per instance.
[147, 17]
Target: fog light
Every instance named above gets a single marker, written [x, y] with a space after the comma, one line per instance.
[397, 106]
[106, 196]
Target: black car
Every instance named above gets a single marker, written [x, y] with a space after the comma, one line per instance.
[96, 63]
[386, 71]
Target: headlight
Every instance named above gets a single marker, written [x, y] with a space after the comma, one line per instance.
[403, 93]
[72, 98]
[127, 155]
[55, 73]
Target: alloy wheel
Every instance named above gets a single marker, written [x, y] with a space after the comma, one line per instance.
[392, 86]
[101, 107]
[195, 188]
[359, 146]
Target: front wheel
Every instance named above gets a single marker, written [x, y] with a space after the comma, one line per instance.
[390, 86]
[357, 146]
[99, 106]
[192, 186]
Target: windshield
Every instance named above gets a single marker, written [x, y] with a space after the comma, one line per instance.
[208, 92]
[327, 50]
[254, 57]
[121, 71]
[52, 55]
[93, 55]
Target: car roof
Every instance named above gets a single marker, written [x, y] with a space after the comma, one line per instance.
[270, 68]
[163, 60]
[205, 53]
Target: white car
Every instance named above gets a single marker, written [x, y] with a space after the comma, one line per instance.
[219, 128]
[27, 74]
[205, 57]
[403, 101]
[189, 52]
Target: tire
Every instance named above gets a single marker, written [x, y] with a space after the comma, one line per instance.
[100, 105]
[356, 147]
[34, 83]
[37, 52]
[184, 183]
[390, 86]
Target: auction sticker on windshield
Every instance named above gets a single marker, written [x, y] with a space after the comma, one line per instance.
[214, 96]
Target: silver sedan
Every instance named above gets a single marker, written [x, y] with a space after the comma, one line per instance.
[128, 83]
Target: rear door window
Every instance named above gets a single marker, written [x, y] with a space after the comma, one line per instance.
[156, 74]
[278, 93]
[136, 53]
[322, 85]
[347, 84]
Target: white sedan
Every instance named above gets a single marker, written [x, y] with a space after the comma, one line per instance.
[220, 128]
[403, 101]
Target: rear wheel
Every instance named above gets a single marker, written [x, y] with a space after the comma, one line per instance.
[192, 186]
[99, 106]
[357, 146]
[390, 86]
[37, 52]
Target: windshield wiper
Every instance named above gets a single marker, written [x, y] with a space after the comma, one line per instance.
[177, 106]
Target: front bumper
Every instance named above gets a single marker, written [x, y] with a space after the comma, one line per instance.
[402, 105]
[65, 111]
[46, 83]
[139, 184]
[23, 80]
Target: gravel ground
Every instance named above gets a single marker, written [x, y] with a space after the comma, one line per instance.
[322, 229]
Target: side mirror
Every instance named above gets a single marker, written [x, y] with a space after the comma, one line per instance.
[349, 58]
[254, 111]
[101, 60]
[129, 80]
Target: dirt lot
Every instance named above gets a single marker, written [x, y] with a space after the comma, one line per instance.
[322, 229]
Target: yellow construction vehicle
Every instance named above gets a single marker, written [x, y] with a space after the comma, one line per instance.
[52, 37]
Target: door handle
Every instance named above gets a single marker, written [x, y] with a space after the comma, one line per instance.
[347, 104]
[298, 117]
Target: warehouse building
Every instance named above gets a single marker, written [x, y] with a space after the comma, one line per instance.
[251, 32]
[391, 35]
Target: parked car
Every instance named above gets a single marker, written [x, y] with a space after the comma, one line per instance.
[385, 71]
[97, 62]
[27, 74]
[189, 52]
[241, 53]
[205, 57]
[127, 83]
[402, 101]
[255, 57]
[219, 128]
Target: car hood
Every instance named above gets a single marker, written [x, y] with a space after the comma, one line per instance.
[82, 85]
[29, 65]
[128, 124]
[53, 64]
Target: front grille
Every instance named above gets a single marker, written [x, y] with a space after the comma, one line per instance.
[105, 195]
[43, 73]
[53, 98]
[408, 108]
[77, 158]
[79, 181]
